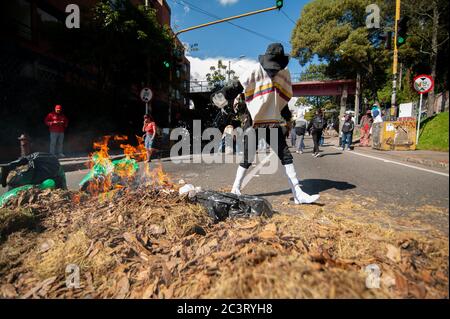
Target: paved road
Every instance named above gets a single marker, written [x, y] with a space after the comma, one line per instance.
[349, 172]
[337, 173]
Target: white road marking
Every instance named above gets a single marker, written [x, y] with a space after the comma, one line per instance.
[394, 162]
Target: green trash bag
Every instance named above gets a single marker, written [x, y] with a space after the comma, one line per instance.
[47, 184]
[115, 169]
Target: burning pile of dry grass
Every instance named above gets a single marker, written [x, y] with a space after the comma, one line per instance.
[148, 243]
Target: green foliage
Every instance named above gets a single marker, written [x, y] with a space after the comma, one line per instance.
[124, 43]
[335, 31]
[316, 72]
[219, 74]
[404, 95]
[309, 115]
[434, 133]
[301, 101]
[418, 51]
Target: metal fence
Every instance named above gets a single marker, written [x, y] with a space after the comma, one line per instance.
[204, 86]
[200, 87]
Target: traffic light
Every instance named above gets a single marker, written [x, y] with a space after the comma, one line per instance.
[279, 4]
[402, 30]
[166, 64]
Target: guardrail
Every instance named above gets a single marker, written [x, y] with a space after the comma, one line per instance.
[204, 86]
[200, 87]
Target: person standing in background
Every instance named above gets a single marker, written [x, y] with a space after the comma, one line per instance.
[347, 132]
[315, 128]
[366, 125]
[57, 123]
[292, 133]
[300, 131]
[150, 132]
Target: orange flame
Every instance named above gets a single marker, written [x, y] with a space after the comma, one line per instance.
[126, 171]
[138, 152]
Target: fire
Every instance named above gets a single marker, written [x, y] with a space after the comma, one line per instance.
[156, 177]
[136, 152]
[107, 176]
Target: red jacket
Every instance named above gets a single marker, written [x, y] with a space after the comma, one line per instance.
[60, 126]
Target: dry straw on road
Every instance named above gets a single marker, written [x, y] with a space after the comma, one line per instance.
[153, 244]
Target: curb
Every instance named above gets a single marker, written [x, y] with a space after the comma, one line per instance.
[425, 162]
[82, 164]
[430, 163]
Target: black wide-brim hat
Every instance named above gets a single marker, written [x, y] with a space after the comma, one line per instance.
[274, 59]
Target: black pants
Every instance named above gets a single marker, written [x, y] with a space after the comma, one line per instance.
[316, 135]
[281, 147]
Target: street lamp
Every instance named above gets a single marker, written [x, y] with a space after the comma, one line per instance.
[229, 65]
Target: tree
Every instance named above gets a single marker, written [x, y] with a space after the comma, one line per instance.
[317, 72]
[216, 78]
[125, 45]
[336, 32]
[428, 38]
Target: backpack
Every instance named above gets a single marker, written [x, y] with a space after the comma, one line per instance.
[318, 123]
[300, 130]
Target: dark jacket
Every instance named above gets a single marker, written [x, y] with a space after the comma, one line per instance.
[314, 126]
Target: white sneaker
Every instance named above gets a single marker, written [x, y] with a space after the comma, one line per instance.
[317, 155]
[302, 198]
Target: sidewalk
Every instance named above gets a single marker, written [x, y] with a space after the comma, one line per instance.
[427, 158]
[80, 162]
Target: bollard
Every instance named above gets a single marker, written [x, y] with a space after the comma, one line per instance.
[25, 145]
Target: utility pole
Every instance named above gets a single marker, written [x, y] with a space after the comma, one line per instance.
[395, 62]
[278, 6]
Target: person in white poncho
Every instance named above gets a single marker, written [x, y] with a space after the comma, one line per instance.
[267, 90]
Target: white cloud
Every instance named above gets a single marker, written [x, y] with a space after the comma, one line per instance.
[200, 67]
[227, 2]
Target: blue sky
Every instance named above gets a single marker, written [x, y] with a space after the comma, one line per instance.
[229, 42]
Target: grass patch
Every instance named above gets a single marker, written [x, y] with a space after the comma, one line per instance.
[434, 133]
[14, 220]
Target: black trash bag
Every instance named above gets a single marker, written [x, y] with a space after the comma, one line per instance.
[220, 206]
[34, 169]
[232, 90]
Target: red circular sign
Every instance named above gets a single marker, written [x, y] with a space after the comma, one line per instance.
[423, 83]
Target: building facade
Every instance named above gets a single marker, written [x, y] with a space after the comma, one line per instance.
[33, 78]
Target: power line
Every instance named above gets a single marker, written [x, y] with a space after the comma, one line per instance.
[282, 11]
[195, 8]
[200, 10]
